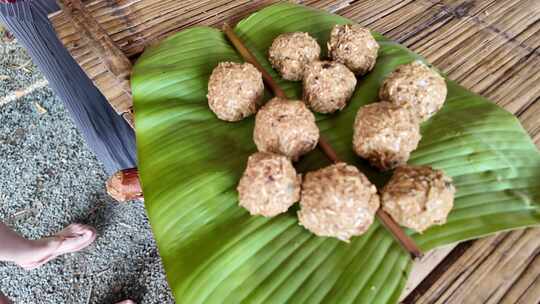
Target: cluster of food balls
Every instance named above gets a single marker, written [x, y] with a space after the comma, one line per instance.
[336, 201]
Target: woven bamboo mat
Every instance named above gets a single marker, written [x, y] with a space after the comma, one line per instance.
[489, 46]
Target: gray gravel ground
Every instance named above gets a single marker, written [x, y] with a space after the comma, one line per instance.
[48, 179]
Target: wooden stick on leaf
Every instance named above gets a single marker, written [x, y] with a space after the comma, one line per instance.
[249, 57]
[407, 242]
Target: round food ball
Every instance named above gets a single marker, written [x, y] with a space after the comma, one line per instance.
[417, 86]
[337, 201]
[418, 197]
[234, 90]
[385, 134]
[290, 53]
[286, 127]
[269, 185]
[353, 46]
[328, 86]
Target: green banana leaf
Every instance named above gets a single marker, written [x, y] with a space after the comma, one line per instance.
[190, 163]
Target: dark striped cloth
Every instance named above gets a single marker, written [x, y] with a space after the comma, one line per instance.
[105, 132]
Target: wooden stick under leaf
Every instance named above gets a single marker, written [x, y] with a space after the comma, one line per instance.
[407, 242]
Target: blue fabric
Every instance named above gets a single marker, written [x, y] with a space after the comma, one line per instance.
[105, 132]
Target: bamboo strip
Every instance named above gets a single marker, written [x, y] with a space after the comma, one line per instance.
[118, 67]
[507, 256]
[117, 63]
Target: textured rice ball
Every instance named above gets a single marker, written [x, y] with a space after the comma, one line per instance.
[418, 197]
[290, 53]
[417, 86]
[235, 90]
[269, 185]
[328, 86]
[337, 201]
[286, 127]
[353, 46]
[385, 134]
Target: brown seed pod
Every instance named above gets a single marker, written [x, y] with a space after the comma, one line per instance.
[353, 46]
[290, 52]
[269, 185]
[337, 201]
[328, 86]
[385, 134]
[234, 90]
[286, 127]
[417, 86]
[418, 197]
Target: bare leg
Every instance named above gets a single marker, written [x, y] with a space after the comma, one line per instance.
[30, 254]
[4, 299]
[16, 248]
[34, 253]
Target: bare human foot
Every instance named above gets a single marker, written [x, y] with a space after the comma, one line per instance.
[73, 238]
